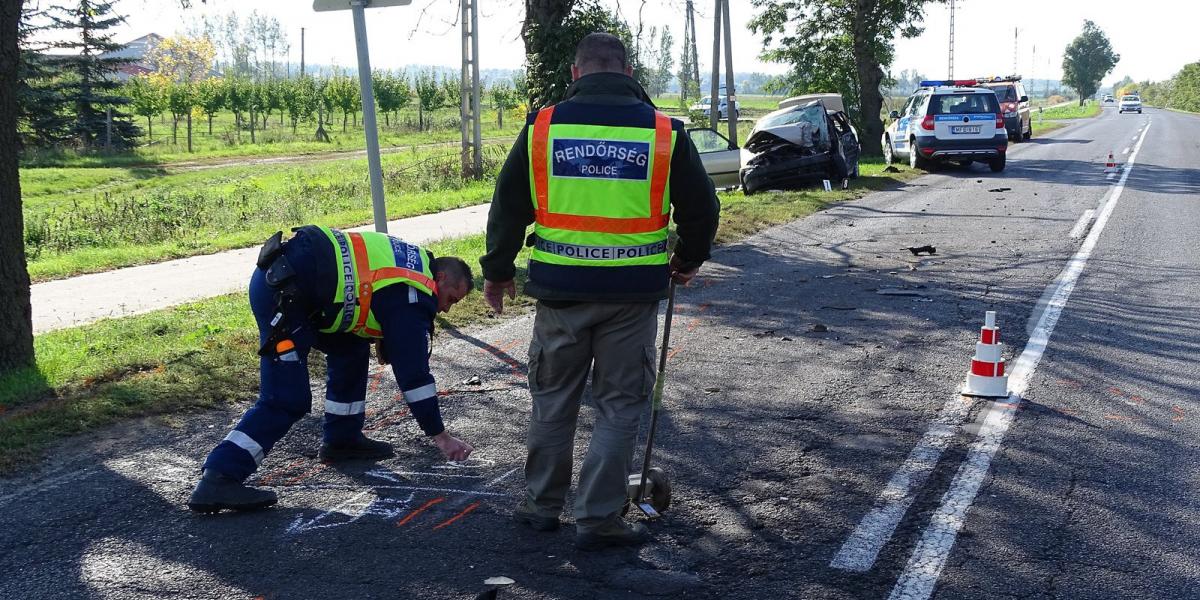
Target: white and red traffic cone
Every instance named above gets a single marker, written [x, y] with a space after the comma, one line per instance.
[987, 378]
[1111, 165]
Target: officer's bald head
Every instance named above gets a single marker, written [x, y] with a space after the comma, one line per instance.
[454, 280]
[600, 53]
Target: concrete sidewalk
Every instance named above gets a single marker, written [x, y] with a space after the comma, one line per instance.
[134, 290]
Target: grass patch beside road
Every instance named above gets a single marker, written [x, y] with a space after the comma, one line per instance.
[1090, 108]
[202, 354]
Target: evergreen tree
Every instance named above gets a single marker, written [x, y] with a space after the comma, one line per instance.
[42, 118]
[90, 89]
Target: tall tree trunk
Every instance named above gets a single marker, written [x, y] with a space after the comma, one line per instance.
[344, 118]
[210, 124]
[16, 317]
[149, 128]
[189, 132]
[500, 118]
[870, 76]
[174, 129]
[253, 119]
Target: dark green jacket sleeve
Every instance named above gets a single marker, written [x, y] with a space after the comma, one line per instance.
[510, 214]
[694, 202]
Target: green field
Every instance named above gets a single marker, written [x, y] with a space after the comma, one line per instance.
[202, 354]
[80, 220]
[1073, 110]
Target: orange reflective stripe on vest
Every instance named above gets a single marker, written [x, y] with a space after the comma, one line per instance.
[367, 278]
[657, 220]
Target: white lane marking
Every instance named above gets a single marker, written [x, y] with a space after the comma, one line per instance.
[1126, 150]
[861, 549]
[920, 575]
[1081, 225]
[1110, 176]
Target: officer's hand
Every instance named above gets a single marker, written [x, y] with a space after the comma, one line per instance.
[494, 291]
[454, 448]
[679, 274]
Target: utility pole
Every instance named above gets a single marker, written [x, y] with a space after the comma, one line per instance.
[472, 155]
[302, 52]
[695, 53]
[689, 50]
[714, 115]
[1032, 63]
[950, 69]
[730, 93]
[1016, 32]
[721, 17]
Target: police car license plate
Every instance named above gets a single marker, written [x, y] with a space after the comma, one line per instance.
[965, 129]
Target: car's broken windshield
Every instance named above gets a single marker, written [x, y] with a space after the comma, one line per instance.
[814, 115]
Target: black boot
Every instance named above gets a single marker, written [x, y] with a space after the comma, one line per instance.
[611, 534]
[361, 448]
[217, 491]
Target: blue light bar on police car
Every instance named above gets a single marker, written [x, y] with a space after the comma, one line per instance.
[948, 83]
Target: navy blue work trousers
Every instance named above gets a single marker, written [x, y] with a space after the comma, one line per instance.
[285, 395]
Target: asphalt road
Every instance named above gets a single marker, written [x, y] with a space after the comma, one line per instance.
[781, 437]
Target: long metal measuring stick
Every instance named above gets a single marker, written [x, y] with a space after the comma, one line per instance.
[659, 380]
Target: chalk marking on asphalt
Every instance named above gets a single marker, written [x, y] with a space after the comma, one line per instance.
[391, 475]
[300, 525]
[1081, 226]
[860, 550]
[924, 567]
[501, 478]
[407, 488]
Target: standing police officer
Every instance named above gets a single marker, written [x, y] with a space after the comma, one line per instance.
[597, 175]
[335, 291]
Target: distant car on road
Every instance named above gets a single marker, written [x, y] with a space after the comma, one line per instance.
[1018, 118]
[705, 106]
[1108, 98]
[809, 138]
[1130, 103]
[948, 121]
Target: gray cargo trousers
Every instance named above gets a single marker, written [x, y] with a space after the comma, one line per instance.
[615, 343]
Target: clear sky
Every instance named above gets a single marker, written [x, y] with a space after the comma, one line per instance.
[1154, 37]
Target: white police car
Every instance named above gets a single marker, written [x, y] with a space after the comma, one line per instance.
[948, 121]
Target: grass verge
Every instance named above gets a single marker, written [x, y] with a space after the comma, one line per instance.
[1090, 108]
[202, 355]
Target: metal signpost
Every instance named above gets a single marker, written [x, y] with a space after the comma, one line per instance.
[368, 96]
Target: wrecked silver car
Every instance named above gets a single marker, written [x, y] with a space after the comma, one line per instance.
[808, 139]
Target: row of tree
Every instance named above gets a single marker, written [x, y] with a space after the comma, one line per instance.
[1181, 92]
[301, 99]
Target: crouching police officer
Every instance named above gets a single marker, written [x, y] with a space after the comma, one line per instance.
[335, 291]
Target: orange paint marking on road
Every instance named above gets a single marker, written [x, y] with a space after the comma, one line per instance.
[1178, 416]
[460, 515]
[277, 473]
[388, 420]
[420, 509]
[672, 353]
[307, 474]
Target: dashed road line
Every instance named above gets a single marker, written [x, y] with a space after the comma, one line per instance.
[1081, 226]
[860, 550]
[924, 567]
